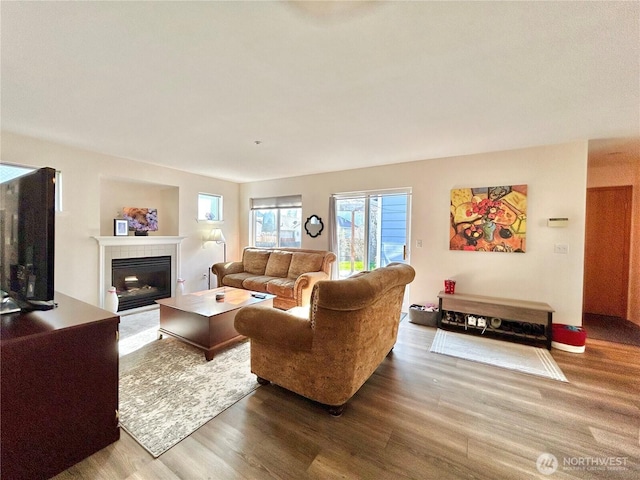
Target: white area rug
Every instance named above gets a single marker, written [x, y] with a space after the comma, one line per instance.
[168, 390]
[513, 356]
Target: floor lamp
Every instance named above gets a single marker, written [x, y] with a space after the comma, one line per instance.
[217, 236]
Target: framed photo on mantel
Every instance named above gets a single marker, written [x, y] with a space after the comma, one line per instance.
[120, 228]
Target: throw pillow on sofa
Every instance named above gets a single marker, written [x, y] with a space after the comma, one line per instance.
[255, 261]
[278, 264]
[303, 263]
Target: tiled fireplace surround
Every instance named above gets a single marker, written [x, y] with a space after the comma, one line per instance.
[136, 247]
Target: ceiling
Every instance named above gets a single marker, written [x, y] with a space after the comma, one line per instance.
[249, 91]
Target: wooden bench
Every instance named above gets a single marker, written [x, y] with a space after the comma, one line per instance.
[516, 320]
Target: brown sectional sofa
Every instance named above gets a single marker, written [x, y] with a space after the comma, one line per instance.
[288, 273]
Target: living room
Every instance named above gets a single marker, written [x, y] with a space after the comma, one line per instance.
[557, 162]
[556, 172]
[559, 172]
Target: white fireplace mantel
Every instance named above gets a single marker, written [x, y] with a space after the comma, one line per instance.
[133, 240]
[135, 247]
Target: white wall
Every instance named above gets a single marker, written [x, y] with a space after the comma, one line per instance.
[91, 179]
[116, 193]
[556, 176]
[556, 179]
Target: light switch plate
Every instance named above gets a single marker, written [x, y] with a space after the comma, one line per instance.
[562, 248]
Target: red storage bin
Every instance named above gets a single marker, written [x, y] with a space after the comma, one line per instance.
[570, 338]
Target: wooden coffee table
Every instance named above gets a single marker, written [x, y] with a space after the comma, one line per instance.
[204, 322]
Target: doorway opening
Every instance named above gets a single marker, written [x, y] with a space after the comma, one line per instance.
[606, 264]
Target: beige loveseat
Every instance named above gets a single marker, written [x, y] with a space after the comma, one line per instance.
[288, 273]
[328, 353]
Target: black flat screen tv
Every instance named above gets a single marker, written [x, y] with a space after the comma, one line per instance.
[27, 221]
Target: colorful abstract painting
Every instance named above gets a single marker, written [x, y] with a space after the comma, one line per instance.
[489, 219]
[141, 219]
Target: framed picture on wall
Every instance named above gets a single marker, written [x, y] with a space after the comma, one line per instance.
[120, 228]
[488, 219]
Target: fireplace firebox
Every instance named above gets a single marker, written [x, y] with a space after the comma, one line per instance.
[141, 281]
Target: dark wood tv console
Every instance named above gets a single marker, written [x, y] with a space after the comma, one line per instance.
[59, 387]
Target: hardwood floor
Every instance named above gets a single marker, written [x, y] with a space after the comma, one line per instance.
[420, 416]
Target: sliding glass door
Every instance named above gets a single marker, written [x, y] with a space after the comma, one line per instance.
[372, 230]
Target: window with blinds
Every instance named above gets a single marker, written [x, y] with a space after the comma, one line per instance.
[276, 221]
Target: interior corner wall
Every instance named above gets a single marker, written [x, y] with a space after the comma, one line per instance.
[117, 193]
[556, 178]
[83, 172]
[626, 171]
